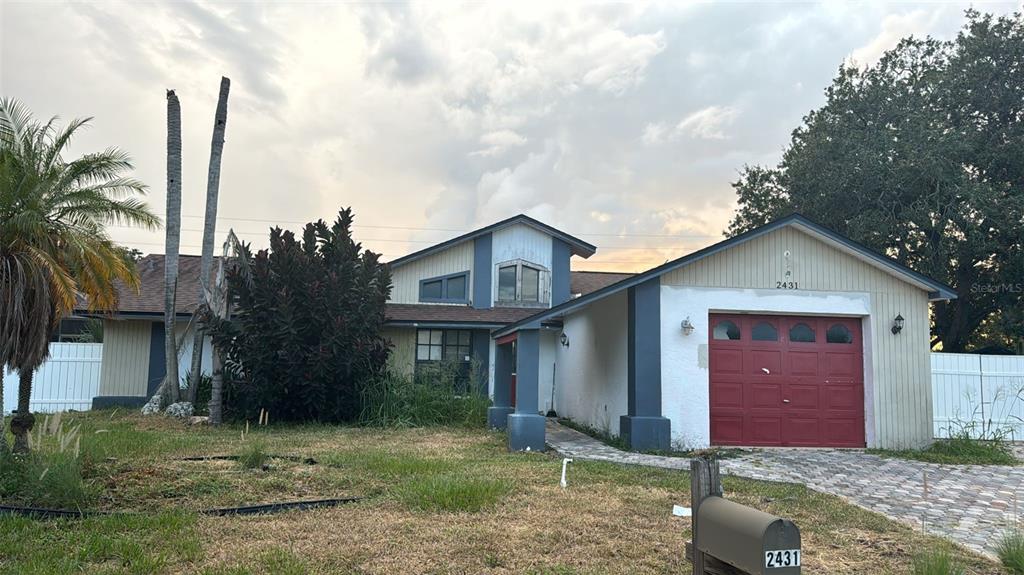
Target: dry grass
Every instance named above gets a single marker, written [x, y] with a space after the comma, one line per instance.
[611, 519]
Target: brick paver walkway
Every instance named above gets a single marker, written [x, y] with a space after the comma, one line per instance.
[969, 504]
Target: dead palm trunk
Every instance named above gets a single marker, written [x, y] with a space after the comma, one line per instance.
[220, 121]
[169, 387]
[220, 307]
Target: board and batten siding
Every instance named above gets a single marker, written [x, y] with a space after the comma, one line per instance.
[403, 355]
[125, 367]
[898, 370]
[405, 280]
[521, 242]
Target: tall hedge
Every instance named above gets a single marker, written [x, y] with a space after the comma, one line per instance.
[305, 325]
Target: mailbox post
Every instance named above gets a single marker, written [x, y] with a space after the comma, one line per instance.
[731, 539]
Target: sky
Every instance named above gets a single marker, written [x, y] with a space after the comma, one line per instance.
[622, 124]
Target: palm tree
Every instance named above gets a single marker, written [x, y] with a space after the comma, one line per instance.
[169, 389]
[54, 249]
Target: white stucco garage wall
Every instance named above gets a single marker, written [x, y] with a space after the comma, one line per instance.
[684, 358]
[590, 383]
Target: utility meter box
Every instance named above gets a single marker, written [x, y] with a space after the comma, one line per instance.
[751, 540]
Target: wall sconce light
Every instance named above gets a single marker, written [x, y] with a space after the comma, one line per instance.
[897, 324]
[687, 326]
[564, 340]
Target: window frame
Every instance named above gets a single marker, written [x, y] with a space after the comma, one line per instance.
[543, 284]
[444, 289]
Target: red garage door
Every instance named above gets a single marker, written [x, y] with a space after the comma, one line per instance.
[786, 381]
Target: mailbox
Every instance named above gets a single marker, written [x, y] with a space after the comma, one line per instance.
[751, 540]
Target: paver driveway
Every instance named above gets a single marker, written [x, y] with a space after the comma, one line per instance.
[970, 504]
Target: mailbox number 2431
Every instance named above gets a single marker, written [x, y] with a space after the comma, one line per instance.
[782, 558]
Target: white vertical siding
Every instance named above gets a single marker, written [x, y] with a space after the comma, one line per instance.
[405, 279]
[520, 242]
[68, 380]
[899, 374]
[978, 392]
[125, 369]
[403, 355]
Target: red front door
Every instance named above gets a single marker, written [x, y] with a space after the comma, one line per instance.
[786, 381]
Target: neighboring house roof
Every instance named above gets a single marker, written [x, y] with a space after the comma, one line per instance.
[936, 290]
[583, 282]
[430, 314]
[149, 300]
[576, 245]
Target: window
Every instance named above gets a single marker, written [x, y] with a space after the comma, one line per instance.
[429, 343]
[764, 331]
[726, 329]
[522, 283]
[838, 333]
[447, 289]
[445, 353]
[801, 332]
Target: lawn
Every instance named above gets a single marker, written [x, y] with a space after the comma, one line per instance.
[436, 500]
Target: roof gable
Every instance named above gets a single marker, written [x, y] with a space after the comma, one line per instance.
[936, 290]
[577, 246]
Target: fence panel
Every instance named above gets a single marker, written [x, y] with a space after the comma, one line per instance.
[981, 391]
[68, 380]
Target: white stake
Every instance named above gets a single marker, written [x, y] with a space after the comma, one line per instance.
[565, 462]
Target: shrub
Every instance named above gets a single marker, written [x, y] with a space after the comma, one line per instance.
[1011, 551]
[306, 324]
[45, 478]
[937, 563]
[437, 395]
[452, 493]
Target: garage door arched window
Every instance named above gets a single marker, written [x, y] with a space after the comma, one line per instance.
[726, 329]
[838, 333]
[801, 332]
[764, 331]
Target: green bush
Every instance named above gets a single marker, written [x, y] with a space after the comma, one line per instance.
[1011, 551]
[437, 395]
[937, 563]
[452, 493]
[253, 456]
[45, 479]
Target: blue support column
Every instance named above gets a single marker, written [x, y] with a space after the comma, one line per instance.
[560, 274]
[497, 416]
[526, 426]
[644, 428]
[482, 272]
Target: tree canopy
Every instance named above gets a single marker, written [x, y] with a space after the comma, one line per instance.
[921, 157]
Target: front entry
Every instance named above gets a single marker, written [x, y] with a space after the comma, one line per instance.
[792, 381]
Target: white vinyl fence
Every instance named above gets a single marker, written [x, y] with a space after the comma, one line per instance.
[69, 379]
[982, 393]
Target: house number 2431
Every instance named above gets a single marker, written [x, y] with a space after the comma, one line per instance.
[787, 285]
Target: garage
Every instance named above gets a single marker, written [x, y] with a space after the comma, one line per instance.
[790, 381]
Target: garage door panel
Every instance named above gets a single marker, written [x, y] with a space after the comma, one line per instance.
[765, 395]
[727, 429]
[805, 388]
[803, 363]
[727, 395]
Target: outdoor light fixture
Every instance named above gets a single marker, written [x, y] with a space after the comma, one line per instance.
[687, 326]
[897, 324]
[564, 340]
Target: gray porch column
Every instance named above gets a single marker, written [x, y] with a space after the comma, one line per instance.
[526, 426]
[497, 416]
[644, 428]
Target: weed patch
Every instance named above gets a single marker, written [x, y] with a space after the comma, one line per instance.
[452, 494]
[937, 563]
[957, 451]
[1011, 551]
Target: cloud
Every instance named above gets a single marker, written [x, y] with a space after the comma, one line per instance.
[894, 28]
[499, 141]
[704, 124]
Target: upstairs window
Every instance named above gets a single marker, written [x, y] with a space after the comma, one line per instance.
[446, 289]
[522, 283]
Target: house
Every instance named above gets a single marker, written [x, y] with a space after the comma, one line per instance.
[134, 358]
[787, 335]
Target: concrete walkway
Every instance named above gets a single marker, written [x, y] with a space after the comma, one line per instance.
[970, 504]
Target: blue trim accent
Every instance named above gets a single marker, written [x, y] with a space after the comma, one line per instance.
[157, 358]
[482, 254]
[106, 401]
[560, 275]
[444, 289]
[579, 247]
[480, 346]
[644, 348]
[941, 290]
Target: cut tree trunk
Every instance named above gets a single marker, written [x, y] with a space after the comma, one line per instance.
[220, 122]
[23, 421]
[216, 406]
[170, 387]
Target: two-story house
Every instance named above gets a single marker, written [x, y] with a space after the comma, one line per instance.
[448, 298]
